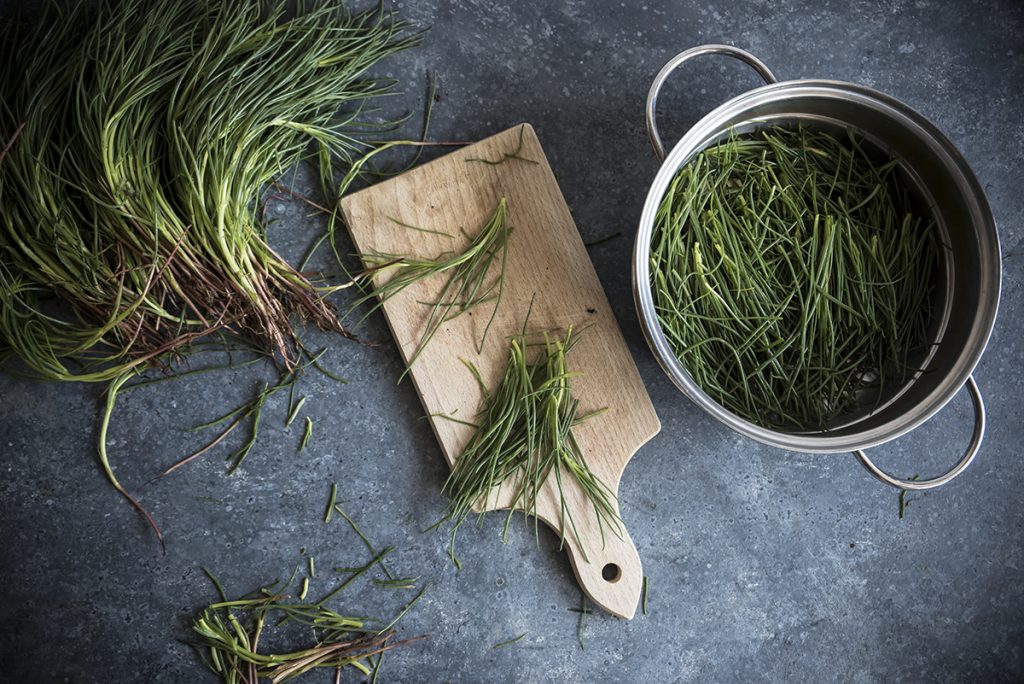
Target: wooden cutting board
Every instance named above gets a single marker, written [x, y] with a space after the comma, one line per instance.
[546, 260]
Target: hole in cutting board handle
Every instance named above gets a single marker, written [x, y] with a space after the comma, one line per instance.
[611, 573]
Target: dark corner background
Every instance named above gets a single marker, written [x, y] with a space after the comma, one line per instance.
[763, 565]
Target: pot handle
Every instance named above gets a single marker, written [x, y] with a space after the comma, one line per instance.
[685, 55]
[965, 460]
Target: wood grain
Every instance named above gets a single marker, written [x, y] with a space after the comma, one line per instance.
[546, 261]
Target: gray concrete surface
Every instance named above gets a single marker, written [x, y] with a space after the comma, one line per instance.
[763, 565]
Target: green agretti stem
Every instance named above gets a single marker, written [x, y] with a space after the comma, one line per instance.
[792, 275]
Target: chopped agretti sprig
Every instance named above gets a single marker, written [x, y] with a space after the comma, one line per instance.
[524, 437]
[475, 275]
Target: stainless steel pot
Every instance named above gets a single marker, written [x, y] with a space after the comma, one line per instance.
[969, 291]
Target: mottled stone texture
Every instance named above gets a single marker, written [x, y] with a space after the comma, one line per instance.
[764, 565]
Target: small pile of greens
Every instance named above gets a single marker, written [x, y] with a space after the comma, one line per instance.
[525, 435]
[229, 631]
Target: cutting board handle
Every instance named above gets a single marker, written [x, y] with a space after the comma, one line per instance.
[605, 561]
[612, 575]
